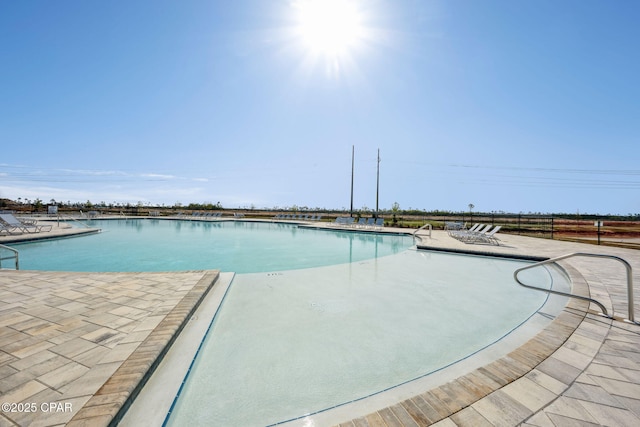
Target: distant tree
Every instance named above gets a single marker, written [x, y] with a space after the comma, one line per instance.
[395, 209]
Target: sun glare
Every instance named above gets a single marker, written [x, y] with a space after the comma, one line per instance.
[329, 27]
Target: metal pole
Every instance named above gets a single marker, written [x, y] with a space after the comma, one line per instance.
[378, 183]
[353, 150]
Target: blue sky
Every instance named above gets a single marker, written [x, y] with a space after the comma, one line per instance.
[527, 106]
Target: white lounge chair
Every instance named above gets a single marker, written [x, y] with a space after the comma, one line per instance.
[453, 226]
[9, 229]
[487, 237]
[462, 233]
[468, 236]
[27, 227]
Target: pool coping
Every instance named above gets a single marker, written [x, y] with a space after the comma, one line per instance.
[484, 253]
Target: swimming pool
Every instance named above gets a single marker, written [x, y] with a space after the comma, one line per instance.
[285, 347]
[173, 245]
[317, 318]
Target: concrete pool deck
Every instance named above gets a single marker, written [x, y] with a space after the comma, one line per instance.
[88, 339]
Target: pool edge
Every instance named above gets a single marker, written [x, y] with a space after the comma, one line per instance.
[110, 403]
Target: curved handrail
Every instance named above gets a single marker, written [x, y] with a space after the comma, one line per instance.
[604, 310]
[422, 228]
[65, 217]
[15, 256]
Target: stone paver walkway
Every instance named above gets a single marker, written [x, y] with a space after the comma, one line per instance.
[75, 347]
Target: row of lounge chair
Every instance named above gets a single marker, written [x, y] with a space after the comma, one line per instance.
[479, 233]
[206, 215]
[9, 224]
[347, 221]
[299, 217]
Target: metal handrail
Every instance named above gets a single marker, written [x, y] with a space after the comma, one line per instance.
[64, 217]
[15, 256]
[604, 310]
[422, 228]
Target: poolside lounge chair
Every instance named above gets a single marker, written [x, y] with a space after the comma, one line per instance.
[450, 226]
[486, 237]
[476, 227]
[462, 233]
[27, 227]
[470, 235]
[9, 229]
[474, 236]
[379, 223]
[362, 222]
[344, 221]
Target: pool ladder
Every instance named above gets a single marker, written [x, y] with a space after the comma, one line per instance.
[13, 256]
[631, 318]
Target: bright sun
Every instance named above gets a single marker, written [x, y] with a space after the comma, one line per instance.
[329, 27]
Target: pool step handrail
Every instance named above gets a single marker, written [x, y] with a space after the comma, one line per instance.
[65, 217]
[427, 225]
[14, 257]
[627, 266]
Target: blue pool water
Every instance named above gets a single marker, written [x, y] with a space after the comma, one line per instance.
[287, 346]
[238, 246]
